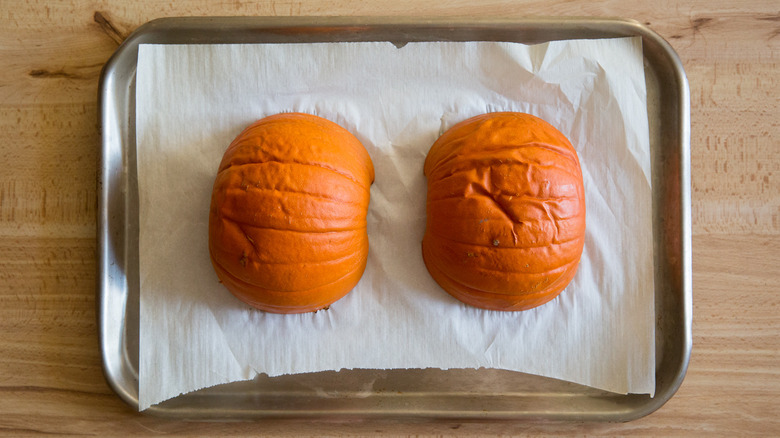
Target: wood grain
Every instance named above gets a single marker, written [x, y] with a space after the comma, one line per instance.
[52, 52]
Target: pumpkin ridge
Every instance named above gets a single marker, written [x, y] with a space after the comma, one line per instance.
[561, 150]
[514, 197]
[292, 302]
[479, 298]
[265, 133]
[559, 275]
[468, 157]
[254, 188]
[292, 230]
[258, 252]
[475, 257]
[549, 271]
[487, 292]
[487, 165]
[289, 301]
[491, 163]
[490, 246]
[355, 180]
[462, 217]
[233, 277]
[525, 295]
[321, 262]
[254, 260]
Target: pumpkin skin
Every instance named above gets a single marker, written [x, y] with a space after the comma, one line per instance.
[287, 223]
[505, 224]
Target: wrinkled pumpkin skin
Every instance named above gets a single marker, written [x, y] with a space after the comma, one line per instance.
[505, 211]
[287, 224]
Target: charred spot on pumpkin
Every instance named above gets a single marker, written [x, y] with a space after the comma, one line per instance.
[243, 260]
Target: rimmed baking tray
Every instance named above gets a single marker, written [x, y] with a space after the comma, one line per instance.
[427, 394]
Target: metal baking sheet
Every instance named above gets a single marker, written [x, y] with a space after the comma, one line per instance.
[421, 395]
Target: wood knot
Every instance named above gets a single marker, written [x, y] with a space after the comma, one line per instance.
[108, 27]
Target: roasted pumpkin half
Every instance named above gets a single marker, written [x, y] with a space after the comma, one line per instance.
[287, 223]
[505, 224]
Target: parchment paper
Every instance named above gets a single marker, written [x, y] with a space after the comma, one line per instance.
[192, 100]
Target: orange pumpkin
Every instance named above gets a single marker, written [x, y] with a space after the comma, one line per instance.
[505, 211]
[287, 224]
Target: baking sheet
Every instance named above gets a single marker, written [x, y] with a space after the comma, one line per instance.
[409, 31]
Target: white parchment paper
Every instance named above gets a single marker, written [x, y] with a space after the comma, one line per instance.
[192, 100]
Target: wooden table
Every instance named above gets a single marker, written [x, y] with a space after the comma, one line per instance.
[51, 54]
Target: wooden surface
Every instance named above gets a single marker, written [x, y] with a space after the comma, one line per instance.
[51, 54]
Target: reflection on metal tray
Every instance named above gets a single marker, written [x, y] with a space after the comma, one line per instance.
[428, 394]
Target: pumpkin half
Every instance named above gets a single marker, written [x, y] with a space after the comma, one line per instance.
[505, 224]
[287, 224]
